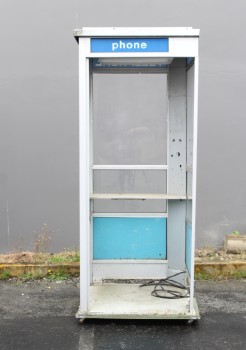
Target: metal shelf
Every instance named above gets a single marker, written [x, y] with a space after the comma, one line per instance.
[137, 196]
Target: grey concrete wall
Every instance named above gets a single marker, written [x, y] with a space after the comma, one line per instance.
[39, 112]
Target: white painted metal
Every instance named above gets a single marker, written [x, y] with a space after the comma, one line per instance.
[170, 54]
[119, 300]
[183, 47]
[84, 180]
[190, 117]
[194, 181]
[182, 41]
[128, 269]
[91, 161]
[135, 196]
[189, 169]
[130, 215]
[129, 167]
[136, 31]
[189, 151]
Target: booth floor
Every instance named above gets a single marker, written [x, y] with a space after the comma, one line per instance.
[114, 300]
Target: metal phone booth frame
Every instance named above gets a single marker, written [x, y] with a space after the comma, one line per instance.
[138, 165]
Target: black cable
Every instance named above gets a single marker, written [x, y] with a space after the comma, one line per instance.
[161, 292]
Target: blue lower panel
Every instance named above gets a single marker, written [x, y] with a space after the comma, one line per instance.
[129, 238]
[188, 239]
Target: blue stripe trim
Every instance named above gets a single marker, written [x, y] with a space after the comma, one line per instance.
[188, 240]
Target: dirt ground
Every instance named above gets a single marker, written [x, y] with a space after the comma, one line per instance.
[213, 254]
[202, 255]
[36, 258]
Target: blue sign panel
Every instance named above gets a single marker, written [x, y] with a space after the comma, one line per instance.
[129, 45]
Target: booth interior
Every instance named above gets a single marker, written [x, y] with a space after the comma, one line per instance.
[141, 117]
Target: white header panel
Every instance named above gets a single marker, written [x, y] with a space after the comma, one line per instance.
[136, 31]
[177, 47]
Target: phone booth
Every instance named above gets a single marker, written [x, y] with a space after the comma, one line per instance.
[138, 92]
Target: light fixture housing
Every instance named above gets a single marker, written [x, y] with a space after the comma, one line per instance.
[131, 62]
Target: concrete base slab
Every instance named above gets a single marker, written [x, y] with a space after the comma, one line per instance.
[129, 301]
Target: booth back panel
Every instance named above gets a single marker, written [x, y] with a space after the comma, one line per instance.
[129, 238]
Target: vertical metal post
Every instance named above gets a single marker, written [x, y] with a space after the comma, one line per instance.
[176, 166]
[195, 126]
[84, 179]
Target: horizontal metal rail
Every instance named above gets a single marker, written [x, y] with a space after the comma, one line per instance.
[129, 167]
[136, 196]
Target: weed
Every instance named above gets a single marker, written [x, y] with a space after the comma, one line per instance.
[239, 274]
[43, 239]
[26, 277]
[5, 275]
[60, 275]
[201, 276]
[235, 233]
[65, 257]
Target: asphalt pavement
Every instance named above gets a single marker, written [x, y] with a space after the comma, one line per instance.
[40, 316]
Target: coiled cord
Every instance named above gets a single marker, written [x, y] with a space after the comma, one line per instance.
[160, 290]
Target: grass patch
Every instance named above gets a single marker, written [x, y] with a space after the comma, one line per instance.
[57, 275]
[239, 274]
[26, 277]
[64, 257]
[5, 275]
[201, 276]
